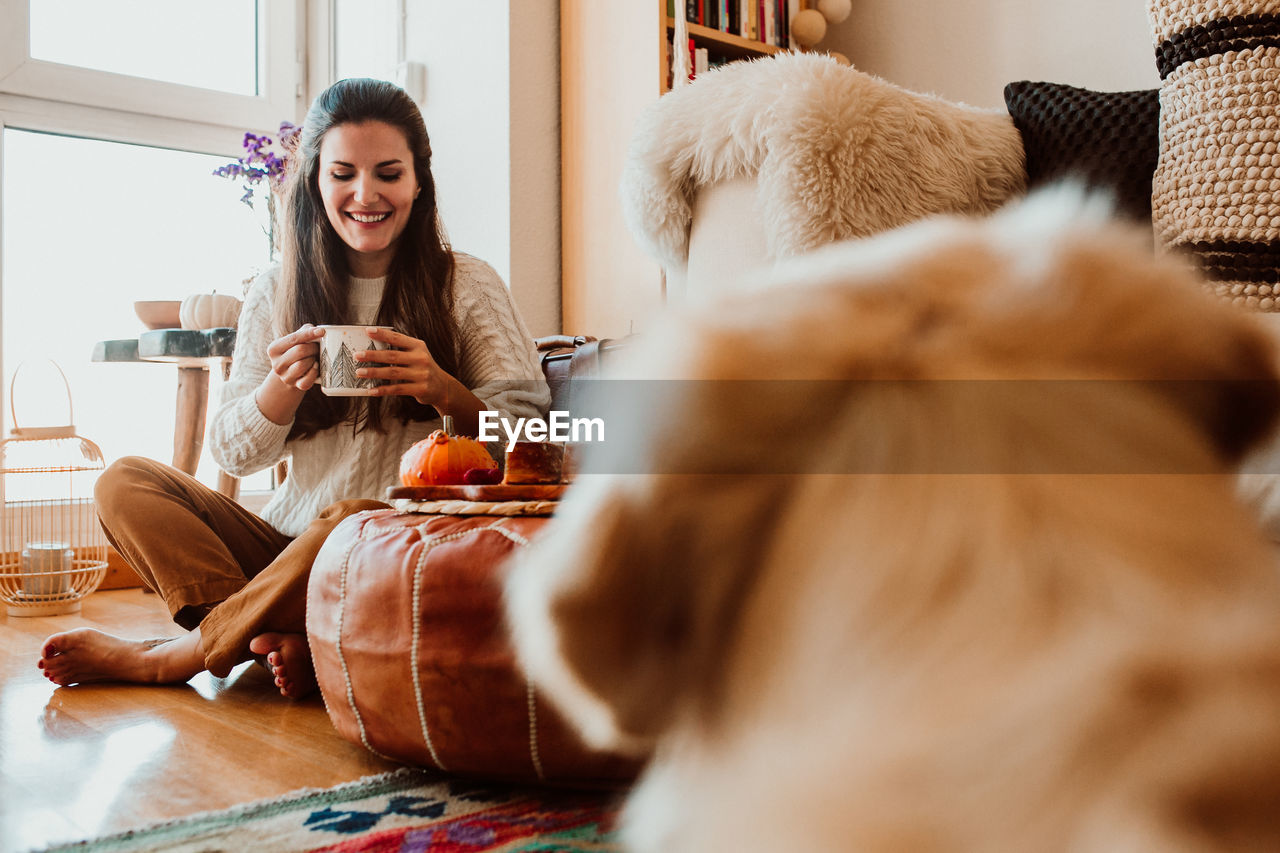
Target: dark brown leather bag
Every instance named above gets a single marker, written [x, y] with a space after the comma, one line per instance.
[567, 358]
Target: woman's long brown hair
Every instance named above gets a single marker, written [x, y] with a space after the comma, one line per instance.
[315, 277]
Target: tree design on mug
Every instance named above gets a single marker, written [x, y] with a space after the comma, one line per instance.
[369, 381]
[342, 372]
[324, 366]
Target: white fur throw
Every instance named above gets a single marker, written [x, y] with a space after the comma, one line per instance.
[837, 154]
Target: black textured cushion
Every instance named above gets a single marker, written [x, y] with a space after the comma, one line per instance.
[1107, 139]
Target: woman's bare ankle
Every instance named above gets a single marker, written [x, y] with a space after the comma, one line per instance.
[176, 659]
[87, 655]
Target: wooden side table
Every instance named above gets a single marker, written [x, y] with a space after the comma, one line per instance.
[192, 351]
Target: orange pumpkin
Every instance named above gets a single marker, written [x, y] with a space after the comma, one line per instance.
[441, 459]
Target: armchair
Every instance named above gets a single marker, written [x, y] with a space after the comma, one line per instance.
[767, 159]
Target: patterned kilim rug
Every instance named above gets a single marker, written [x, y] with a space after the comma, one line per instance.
[408, 810]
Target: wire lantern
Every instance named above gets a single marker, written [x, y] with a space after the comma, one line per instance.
[53, 552]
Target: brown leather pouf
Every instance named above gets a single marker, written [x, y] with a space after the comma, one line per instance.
[405, 623]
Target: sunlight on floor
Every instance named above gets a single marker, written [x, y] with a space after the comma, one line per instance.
[79, 762]
[99, 764]
[112, 763]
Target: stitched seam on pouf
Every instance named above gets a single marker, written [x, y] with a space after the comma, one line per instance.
[534, 755]
[533, 730]
[417, 640]
[499, 526]
[342, 661]
[428, 543]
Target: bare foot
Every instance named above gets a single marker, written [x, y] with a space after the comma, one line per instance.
[86, 654]
[289, 659]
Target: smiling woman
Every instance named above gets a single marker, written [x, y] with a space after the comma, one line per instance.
[363, 245]
[368, 186]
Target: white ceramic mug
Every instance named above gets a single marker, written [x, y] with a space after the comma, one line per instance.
[338, 366]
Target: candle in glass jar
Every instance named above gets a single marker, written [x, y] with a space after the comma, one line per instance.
[40, 560]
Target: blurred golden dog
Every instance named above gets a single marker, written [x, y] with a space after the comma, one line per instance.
[990, 590]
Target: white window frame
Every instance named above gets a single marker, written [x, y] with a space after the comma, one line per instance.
[280, 54]
[295, 45]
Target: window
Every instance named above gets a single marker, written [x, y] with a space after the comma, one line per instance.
[232, 63]
[113, 115]
[153, 39]
[91, 226]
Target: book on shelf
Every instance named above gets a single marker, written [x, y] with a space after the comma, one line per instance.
[671, 70]
[764, 21]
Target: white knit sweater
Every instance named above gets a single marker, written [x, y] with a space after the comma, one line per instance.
[498, 362]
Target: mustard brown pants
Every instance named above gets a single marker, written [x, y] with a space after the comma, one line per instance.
[213, 562]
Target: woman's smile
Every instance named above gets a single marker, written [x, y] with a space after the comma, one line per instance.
[368, 185]
[369, 218]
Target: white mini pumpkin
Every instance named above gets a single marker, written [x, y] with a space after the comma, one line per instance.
[209, 311]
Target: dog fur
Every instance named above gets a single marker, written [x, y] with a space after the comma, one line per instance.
[966, 627]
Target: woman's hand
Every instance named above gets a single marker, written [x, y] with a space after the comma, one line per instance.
[295, 357]
[412, 372]
[294, 369]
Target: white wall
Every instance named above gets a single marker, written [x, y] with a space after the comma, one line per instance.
[492, 109]
[968, 51]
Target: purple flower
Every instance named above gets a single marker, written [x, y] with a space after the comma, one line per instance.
[260, 162]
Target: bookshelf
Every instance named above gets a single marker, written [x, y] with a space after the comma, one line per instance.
[719, 44]
[730, 44]
[726, 44]
[613, 64]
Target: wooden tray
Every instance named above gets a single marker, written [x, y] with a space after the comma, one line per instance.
[498, 492]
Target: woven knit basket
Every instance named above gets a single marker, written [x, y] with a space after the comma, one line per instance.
[1216, 191]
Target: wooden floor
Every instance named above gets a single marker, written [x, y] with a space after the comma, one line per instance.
[76, 762]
